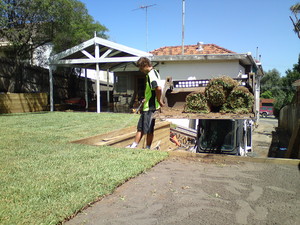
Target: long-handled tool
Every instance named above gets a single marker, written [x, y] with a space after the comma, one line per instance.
[136, 111]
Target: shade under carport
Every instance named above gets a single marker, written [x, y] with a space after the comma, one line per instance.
[96, 53]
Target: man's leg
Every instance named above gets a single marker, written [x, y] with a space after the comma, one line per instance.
[149, 140]
[138, 136]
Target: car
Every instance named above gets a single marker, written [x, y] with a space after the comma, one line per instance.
[266, 111]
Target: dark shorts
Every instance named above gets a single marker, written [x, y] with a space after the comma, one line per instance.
[146, 122]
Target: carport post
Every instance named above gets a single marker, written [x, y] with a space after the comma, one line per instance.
[98, 88]
[86, 90]
[108, 99]
[97, 56]
[51, 89]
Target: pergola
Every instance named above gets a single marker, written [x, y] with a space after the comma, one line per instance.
[98, 54]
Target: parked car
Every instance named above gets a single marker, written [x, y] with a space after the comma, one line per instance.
[266, 111]
[266, 107]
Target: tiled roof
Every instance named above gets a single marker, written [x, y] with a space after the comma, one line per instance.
[206, 49]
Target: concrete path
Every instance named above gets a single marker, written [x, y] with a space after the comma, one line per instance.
[203, 191]
[206, 189]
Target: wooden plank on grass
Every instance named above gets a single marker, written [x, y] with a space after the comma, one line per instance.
[123, 137]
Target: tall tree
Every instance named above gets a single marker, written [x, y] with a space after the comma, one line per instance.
[281, 87]
[271, 82]
[295, 9]
[27, 24]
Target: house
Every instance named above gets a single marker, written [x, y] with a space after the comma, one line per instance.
[199, 61]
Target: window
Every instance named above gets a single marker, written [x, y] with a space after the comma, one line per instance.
[121, 84]
[217, 135]
[267, 104]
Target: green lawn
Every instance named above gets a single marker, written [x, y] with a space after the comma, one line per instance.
[45, 179]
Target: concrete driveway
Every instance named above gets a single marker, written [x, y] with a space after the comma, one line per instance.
[206, 189]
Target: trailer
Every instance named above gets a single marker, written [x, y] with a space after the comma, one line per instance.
[215, 132]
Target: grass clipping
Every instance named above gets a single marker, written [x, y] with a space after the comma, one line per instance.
[223, 95]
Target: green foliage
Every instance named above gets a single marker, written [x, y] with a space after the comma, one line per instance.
[271, 81]
[267, 95]
[295, 9]
[281, 88]
[28, 24]
[196, 103]
[45, 178]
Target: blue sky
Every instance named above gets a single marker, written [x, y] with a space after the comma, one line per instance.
[238, 25]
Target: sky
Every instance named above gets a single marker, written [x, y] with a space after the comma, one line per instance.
[262, 27]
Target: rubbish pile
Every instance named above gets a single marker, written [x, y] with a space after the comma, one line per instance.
[222, 94]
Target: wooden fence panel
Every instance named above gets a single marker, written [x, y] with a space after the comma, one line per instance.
[23, 102]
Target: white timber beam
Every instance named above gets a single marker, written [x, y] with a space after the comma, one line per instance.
[87, 54]
[97, 60]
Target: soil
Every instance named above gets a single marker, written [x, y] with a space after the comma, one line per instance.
[177, 113]
[205, 190]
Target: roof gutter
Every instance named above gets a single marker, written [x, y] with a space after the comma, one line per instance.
[210, 57]
[257, 65]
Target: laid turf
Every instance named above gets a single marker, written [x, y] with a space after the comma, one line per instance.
[45, 179]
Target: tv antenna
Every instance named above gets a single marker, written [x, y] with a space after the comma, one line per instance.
[146, 8]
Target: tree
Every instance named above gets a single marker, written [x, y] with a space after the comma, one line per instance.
[289, 79]
[271, 82]
[296, 10]
[267, 94]
[28, 24]
[286, 91]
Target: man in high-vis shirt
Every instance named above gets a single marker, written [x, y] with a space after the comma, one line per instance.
[151, 103]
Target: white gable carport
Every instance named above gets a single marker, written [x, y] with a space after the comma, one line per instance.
[98, 54]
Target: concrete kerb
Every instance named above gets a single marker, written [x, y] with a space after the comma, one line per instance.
[294, 162]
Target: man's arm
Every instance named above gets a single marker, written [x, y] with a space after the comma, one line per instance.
[158, 92]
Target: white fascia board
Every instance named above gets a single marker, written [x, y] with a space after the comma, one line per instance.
[120, 47]
[99, 60]
[225, 57]
[71, 51]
